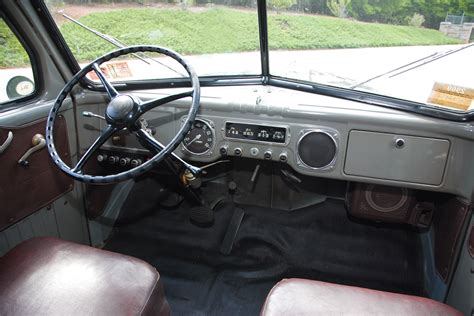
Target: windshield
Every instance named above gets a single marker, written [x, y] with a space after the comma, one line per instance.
[396, 48]
[210, 36]
[408, 49]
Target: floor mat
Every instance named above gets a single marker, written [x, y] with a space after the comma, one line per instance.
[318, 242]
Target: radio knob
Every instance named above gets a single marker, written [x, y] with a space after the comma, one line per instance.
[283, 157]
[224, 150]
[267, 155]
[238, 151]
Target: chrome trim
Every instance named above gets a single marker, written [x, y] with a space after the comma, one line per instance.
[210, 125]
[333, 134]
[250, 122]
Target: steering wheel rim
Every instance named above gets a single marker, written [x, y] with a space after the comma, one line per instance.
[124, 113]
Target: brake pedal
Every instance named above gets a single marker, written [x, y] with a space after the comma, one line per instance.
[201, 216]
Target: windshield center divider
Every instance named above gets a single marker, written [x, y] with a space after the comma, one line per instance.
[263, 31]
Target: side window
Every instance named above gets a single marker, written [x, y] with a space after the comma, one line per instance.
[16, 74]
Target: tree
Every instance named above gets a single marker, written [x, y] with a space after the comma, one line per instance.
[467, 6]
[435, 11]
[339, 7]
[281, 4]
[383, 11]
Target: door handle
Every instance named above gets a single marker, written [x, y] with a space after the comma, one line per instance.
[7, 142]
[38, 143]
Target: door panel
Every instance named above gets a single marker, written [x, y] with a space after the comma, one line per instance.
[26, 189]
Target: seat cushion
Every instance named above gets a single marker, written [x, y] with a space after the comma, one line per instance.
[49, 276]
[306, 297]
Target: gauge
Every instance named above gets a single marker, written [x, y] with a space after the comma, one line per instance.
[200, 138]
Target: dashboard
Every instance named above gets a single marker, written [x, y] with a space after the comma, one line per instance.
[320, 136]
[316, 147]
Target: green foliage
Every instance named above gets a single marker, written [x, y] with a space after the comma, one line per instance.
[435, 11]
[281, 4]
[467, 6]
[290, 31]
[186, 31]
[12, 52]
[219, 30]
[339, 7]
[416, 20]
[381, 11]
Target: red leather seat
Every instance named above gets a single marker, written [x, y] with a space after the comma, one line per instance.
[49, 276]
[306, 297]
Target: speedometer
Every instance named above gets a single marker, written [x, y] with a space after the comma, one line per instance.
[200, 138]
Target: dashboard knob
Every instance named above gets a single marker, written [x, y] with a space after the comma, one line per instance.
[101, 157]
[267, 155]
[283, 157]
[124, 161]
[238, 151]
[254, 151]
[135, 162]
[113, 160]
[224, 150]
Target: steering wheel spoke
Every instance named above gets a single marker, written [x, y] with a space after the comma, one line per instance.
[104, 136]
[148, 105]
[157, 146]
[108, 86]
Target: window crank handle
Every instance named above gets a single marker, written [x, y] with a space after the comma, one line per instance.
[38, 143]
[7, 142]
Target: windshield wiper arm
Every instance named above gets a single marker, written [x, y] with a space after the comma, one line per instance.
[414, 64]
[447, 53]
[116, 42]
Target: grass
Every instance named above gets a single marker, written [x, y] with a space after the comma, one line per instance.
[313, 32]
[12, 52]
[221, 30]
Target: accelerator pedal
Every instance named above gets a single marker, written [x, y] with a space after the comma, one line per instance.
[232, 230]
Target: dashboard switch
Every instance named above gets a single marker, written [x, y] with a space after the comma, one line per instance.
[283, 157]
[238, 151]
[224, 150]
[101, 158]
[267, 155]
[113, 160]
[124, 161]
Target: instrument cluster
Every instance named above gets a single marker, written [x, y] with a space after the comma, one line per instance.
[313, 148]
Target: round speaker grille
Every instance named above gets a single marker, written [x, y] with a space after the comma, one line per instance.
[317, 149]
[386, 199]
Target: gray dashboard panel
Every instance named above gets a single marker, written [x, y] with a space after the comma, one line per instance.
[301, 111]
[414, 159]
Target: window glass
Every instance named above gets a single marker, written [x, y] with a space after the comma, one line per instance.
[16, 75]
[216, 38]
[410, 49]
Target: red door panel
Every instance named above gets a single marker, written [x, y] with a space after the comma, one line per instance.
[26, 189]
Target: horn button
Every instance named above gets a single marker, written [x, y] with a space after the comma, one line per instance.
[120, 110]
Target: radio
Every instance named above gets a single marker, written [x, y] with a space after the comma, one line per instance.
[258, 133]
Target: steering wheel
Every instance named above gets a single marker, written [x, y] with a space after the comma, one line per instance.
[123, 112]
